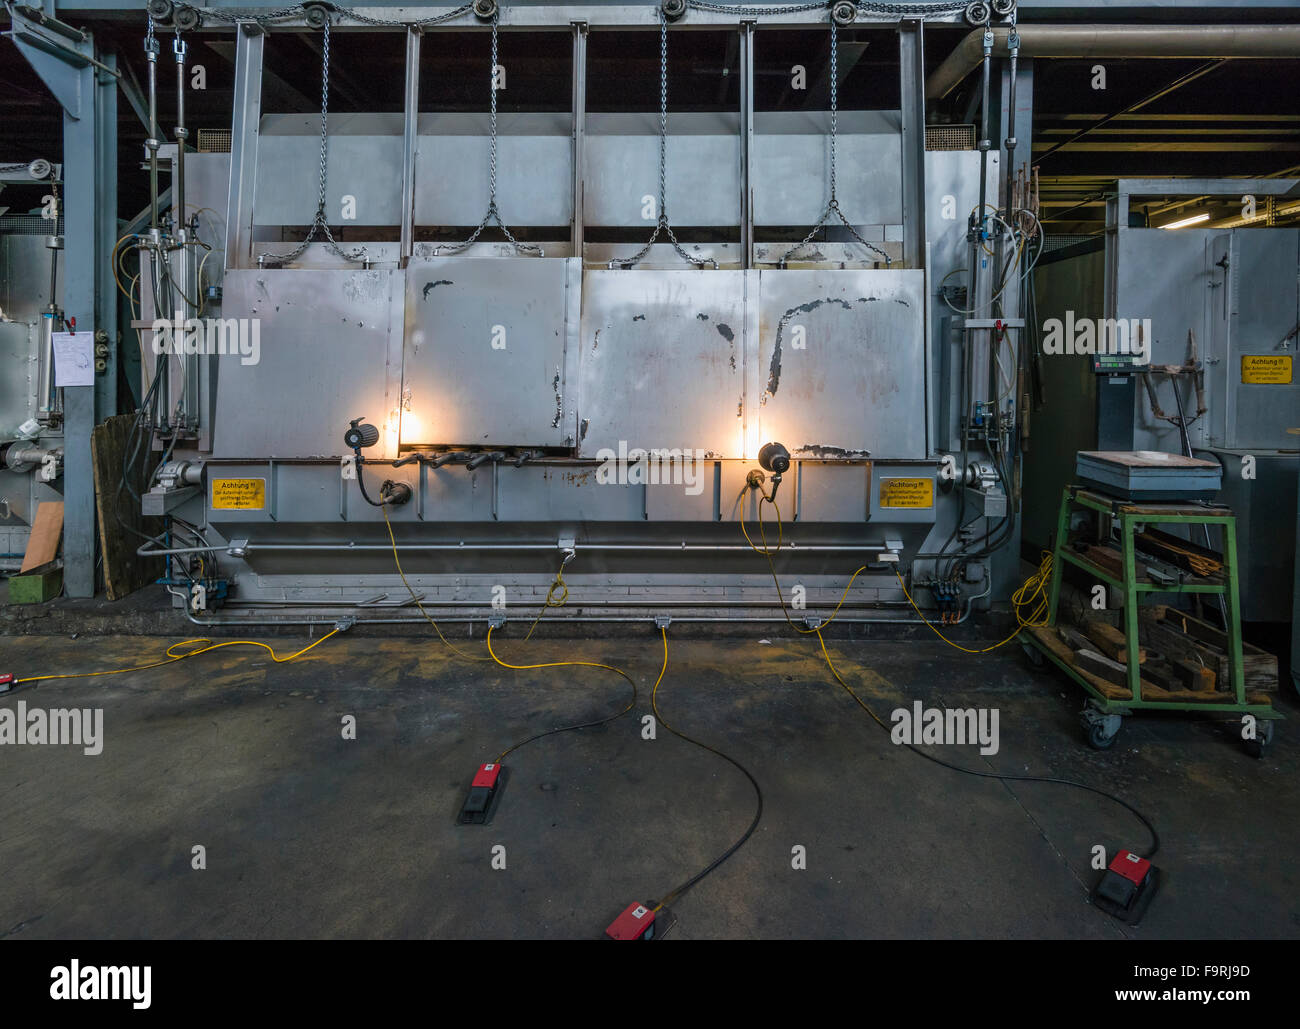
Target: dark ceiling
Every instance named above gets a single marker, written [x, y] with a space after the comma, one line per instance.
[1232, 118]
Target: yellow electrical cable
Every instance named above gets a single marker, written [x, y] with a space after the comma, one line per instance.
[551, 601]
[398, 562]
[838, 678]
[1032, 591]
[172, 657]
[766, 552]
[654, 706]
[758, 792]
[764, 498]
[569, 664]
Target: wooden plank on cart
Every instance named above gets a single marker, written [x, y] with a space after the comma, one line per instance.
[1110, 641]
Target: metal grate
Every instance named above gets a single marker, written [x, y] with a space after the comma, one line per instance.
[1059, 241]
[950, 137]
[214, 141]
[31, 225]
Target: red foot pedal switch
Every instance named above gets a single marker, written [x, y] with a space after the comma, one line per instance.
[637, 922]
[1126, 888]
[484, 792]
[6, 682]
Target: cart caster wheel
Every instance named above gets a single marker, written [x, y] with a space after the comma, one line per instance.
[1259, 747]
[1099, 738]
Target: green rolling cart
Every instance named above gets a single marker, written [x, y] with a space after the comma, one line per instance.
[1107, 708]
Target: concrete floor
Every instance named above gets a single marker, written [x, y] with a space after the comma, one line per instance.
[309, 835]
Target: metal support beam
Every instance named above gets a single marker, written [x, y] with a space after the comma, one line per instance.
[410, 129]
[911, 54]
[135, 95]
[247, 105]
[747, 143]
[104, 210]
[79, 221]
[86, 89]
[579, 108]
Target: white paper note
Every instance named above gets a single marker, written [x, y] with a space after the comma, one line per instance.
[74, 358]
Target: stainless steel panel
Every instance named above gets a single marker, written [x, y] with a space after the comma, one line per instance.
[485, 352]
[330, 346]
[1266, 518]
[832, 491]
[567, 494]
[24, 294]
[622, 169]
[675, 499]
[952, 192]
[662, 361]
[19, 350]
[792, 167]
[1265, 313]
[1162, 275]
[534, 169]
[852, 382]
[365, 162]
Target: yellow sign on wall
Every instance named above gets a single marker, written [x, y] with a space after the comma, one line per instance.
[238, 494]
[907, 493]
[1267, 370]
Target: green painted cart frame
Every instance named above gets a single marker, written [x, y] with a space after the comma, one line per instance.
[1104, 715]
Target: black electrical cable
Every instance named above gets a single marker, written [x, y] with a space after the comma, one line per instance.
[361, 481]
[1155, 836]
[717, 862]
[565, 728]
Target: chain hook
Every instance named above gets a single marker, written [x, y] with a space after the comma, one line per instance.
[832, 203]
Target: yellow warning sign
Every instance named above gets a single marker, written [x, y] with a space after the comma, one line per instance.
[1267, 370]
[238, 494]
[907, 493]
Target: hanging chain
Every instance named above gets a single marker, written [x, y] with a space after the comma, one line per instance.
[906, 9]
[833, 204]
[663, 224]
[910, 10]
[755, 12]
[320, 222]
[493, 212]
[233, 15]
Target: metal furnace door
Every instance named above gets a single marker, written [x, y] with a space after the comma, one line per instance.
[842, 362]
[328, 349]
[662, 361]
[486, 340]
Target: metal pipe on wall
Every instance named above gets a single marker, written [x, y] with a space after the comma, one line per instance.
[1080, 41]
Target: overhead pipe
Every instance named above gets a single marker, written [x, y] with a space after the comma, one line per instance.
[1189, 41]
